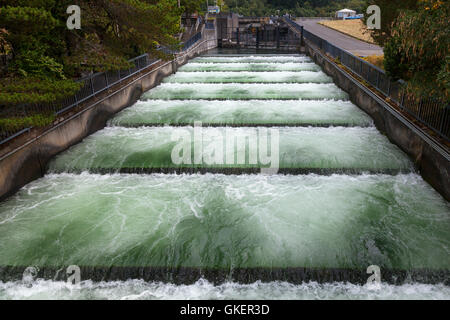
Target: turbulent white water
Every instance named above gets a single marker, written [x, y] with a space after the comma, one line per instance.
[289, 112]
[204, 290]
[249, 77]
[219, 221]
[225, 222]
[289, 66]
[246, 91]
[253, 59]
[298, 147]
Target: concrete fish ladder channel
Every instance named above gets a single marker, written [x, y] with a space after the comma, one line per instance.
[298, 149]
[343, 197]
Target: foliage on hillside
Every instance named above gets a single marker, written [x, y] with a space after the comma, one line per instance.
[418, 50]
[46, 54]
[390, 9]
[300, 8]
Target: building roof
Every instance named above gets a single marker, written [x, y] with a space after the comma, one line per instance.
[347, 10]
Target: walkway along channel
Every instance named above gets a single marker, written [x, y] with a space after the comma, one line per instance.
[419, 129]
[128, 202]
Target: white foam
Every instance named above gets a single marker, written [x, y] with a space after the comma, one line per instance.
[252, 59]
[204, 290]
[249, 77]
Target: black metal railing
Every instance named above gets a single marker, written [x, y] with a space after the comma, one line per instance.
[92, 85]
[271, 37]
[193, 40]
[432, 113]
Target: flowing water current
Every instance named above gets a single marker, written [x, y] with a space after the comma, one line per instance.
[141, 225]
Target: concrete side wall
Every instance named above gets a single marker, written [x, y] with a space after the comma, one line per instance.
[29, 161]
[431, 160]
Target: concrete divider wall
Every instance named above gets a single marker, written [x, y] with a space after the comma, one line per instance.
[29, 161]
[432, 161]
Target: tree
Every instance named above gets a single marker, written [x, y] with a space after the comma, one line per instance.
[115, 30]
[192, 6]
[46, 54]
[390, 9]
[298, 7]
[5, 47]
[418, 50]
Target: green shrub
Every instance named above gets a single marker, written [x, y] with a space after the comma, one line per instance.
[17, 91]
[15, 123]
[31, 63]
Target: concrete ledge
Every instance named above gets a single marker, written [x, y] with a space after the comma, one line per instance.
[432, 161]
[190, 275]
[29, 161]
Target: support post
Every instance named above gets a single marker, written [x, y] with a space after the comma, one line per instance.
[402, 103]
[238, 40]
[92, 85]
[257, 38]
[444, 113]
[302, 42]
[278, 37]
[420, 109]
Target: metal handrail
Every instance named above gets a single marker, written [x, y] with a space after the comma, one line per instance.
[427, 111]
[97, 83]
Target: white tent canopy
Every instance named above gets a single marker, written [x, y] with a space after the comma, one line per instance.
[347, 10]
[345, 13]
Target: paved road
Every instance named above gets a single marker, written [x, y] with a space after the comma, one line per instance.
[341, 40]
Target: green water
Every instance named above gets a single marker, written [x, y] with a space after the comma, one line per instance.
[222, 221]
[307, 148]
[249, 77]
[255, 112]
[228, 222]
[245, 91]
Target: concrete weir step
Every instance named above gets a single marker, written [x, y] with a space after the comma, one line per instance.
[253, 59]
[217, 276]
[242, 113]
[249, 77]
[246, 91]
[183, 226]
[298, 149]
[254, 67]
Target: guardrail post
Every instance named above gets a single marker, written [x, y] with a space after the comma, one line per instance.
[402, 102]
[257, 38]
[278, 37]
[444, 113]
[92, 85]
[420, 108]
[302, 42]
